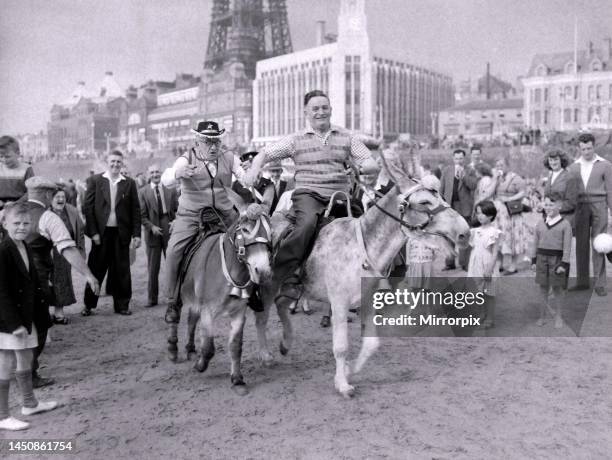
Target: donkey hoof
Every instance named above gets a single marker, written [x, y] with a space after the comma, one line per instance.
[200, 365]
[346, 390]
[283, 349]
[238, 385]
[172, 356]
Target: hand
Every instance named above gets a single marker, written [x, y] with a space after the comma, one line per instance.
[93, 283]
[533, 267]
[560, 270]
[136, 242]
[187, 170]
[249, 179]
[96, 239]
[20, 331]
[157, 231]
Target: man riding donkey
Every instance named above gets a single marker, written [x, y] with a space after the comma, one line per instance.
[321, 153]
[205, 175]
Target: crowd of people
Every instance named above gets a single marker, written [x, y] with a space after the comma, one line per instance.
[44, 225]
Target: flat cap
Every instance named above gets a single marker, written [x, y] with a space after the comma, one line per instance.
[40, 183]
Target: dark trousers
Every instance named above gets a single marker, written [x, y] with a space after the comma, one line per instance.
[308, 206]
[591, 220]
[112, 256]
[44, 269]
[155, 247]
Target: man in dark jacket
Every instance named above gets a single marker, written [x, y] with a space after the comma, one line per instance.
[112, 221]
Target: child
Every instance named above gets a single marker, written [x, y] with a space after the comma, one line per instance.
[420, 255]
[484, 241]
[22, 307]
[552, 247]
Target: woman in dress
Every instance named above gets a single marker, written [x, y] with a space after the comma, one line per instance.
[510, 189]
[560, 183]
[62, 271]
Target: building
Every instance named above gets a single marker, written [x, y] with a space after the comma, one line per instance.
[160, 114]
[34, 147]
[87, 123]
[368, 92]
[487, 87]
[241, 33]
[570, 90]
[482, 119]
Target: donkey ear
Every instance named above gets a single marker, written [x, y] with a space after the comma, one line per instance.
[236, 200]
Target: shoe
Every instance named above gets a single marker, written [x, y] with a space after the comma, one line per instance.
[580, 287]
[601, 291]
[86, 312]
[449, 268]
[12, 424]
[124, 312]
[40, 382]
[325, 321]
[60, 320]
[510, 272]
[42, 407]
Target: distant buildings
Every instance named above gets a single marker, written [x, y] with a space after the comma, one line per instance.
[563, 93]
[369, 93]
[34, 147]
[482, 120]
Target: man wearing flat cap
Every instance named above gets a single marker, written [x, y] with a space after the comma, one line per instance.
[204, 173]
[48, 230]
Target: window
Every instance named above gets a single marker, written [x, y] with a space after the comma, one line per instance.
[576, 92]
[545, 117]
[567, 115]
[598, 92]
[590, 92]
[537, 117]
[595, 65]
[569, 67]
[541, 70]
[545, 94]
[576, 115]
[538, 95]
[568, 91]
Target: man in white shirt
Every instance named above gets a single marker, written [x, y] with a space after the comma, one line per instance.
[112, 221]
[593, 174]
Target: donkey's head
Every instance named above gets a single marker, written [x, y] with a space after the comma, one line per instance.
[423, 212]
[251, 236]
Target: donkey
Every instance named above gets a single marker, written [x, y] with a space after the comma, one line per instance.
[350, 249]
[221, 268]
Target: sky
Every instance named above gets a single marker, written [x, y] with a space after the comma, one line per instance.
[47, 46]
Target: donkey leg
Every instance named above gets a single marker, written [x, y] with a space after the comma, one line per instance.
[192, 322]
[207, 344]
[368, 347]
[340, 343]
[261, 321]
[235, 349]
[287, 339]
[172, 342]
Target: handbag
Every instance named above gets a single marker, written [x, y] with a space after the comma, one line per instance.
[514, 207]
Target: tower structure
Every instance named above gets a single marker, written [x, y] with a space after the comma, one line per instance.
[242, 32]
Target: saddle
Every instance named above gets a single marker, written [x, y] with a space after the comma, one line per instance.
[210, 224]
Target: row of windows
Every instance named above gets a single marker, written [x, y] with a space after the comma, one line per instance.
[568, 92]
[294, 68]
[594, 66]
[570, 115]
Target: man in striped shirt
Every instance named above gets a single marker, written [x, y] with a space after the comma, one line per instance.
[321, 153]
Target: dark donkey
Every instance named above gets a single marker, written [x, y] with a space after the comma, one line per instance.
[222, 263]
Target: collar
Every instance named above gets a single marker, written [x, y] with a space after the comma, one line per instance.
[554, 220]
[595, 159]
[154, 185]
[332, 129]
[106, 175]
[37, 202]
